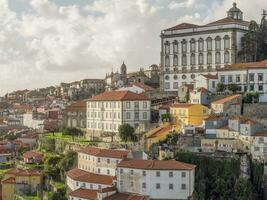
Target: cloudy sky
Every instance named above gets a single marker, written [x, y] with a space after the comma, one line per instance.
[45, 42]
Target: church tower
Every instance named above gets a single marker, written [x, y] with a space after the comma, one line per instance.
[235, 13]
[123, 73]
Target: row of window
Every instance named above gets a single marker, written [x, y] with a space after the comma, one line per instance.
[218, 59]
[251, 78]
[114, 115]
[101, 125]
[183, 174]
[157, 186]
[114, 105]
[200, 42]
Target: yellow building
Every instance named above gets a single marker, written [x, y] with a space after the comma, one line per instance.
[189, 114]
[21, 181]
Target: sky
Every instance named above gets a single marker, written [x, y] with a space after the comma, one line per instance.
[45, 42]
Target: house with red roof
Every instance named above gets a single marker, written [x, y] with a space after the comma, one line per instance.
[32, 157]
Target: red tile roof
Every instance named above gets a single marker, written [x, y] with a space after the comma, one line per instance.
[245, 66]
[10, 180]
[210, 76]
[156, 165]
[182, 26]
[84, 176]
[121, 196]
[229, 20]
[84, 194]
[77, 106]
[202, 90]
[25, 172]
[261, 134]
[226, 99]
[32, 154]
[109, 153]
[118, 96]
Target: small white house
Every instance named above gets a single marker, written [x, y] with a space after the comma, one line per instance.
[207, 81]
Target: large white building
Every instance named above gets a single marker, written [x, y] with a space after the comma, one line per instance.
[188, 50]
[107, 111]
[156, 179]
[250, 77]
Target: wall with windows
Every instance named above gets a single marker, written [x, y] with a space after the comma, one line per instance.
[158, 184]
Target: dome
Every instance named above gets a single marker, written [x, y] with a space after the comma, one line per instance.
[234, 8]
[235, 13]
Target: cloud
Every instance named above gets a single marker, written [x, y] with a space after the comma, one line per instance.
[48, 42]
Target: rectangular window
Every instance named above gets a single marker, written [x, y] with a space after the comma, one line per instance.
[136, 105]
[132, 183]
[170, 174]
[157, 186]
[170, 186]
[98, 160]
[132, 172]
[128, 105]
[183, 186]
[230, 78]
[167, 85]
[144, 173]
[144, 185]
[136, 115]
[144, 115]
[223, 79]
[251, 77]
[260, 87]
[157, 174]
[183, 174]
[251, 87]
[237, 78]
[213, 84]
[121, 171]
[128, 115]
[175, 85]
[108, 160]
[144, 104]
[260, 77]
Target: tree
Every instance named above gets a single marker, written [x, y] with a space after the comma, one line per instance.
[252, 97]
[67, 162]
[233, 87]
[242, 189]
[73, 132]
[221, 87]
[126, 133]
[60, 194]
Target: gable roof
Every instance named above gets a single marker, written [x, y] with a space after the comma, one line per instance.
[109, 153]
[156, 165]
[84, 176]
[118, 96]
[226, 99]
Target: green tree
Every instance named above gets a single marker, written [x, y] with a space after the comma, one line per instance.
[60, 194]
[67, 162]
[74, 132]
[51, 166]
[126, 133]
[242, 189]
[233, 87]
[221, 87]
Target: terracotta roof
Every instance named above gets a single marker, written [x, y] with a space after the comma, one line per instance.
[25, 172]
[118, 96]
[261, 134]
[32, 154]
[212, 118]
[202, 90]
[158, 131]
[182, 26]
[77, 106]
[121, 196]
[228, 20]
[245, 66]
[156, 165]
[84, 194]
[210, 76]
[226, 99]
[145, 87]
[109, 153]
[84, 176]
[181, 105]
[10, 180]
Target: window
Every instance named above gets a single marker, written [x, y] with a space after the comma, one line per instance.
[98, 170]
[136, 115]
[193, 59]
[157, 186]
[77, 183]
[230, 78]
[251, 77]
[184, 76]
[108, 160]
[157, 174]
[98, 160]
[200, 45]
[128, 105]
[167, 61]
[183, 186]
[251, 87]
[226, 42]
[200, 59]
[184, 60]
[91, 186]
[260, 87]
[128, 115]
[175, 47]
[167, 86]
[192, 45]
[175, 60]
[209, 58]
[175, 85]
[108, 171]
[167, 47]
[184, 46]
[218, 57]
[99, 187]
[209, 44]
[223, 79]
[121, 183]
[170, 174]
[132, 172]
[144, 185]
[132, 183]
[136, 105]
[144, 104]
[226, 57]
[237, 78]
[121, 171]
[144, 173]
[144, 115]
[213, 84]
[183, 174]
[260, 77]
[170, 186]
[218, 43]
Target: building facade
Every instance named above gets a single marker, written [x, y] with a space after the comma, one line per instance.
[188, 50]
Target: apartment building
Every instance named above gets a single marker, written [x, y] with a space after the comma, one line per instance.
[156, 179]
[107, 111]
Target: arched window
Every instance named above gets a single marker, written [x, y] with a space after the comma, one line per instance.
[209, 44]
[209, 58]
[175, 47]
[184, 60]
[193, 59]
[167, 47]
[226, 42]
[175, 60]
[192, 45]
[200, 45]
[167, 61]
[184, 46]
[200, 59]
[226, 57]
[218, 43]
[218, 58]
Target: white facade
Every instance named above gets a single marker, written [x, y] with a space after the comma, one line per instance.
[259, 148]
[157, 184]
[133, 88]
[208, 83]
[188, 50]
[248, 80]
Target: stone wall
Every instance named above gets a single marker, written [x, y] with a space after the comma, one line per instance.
[257, 112]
